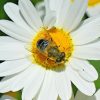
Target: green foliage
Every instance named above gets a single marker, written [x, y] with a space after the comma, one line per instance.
[35, 1]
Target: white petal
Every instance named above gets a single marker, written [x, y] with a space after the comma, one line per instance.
[89, 20]
[88, 32]
[90, 51]
[85, 69]
[48, 90]
[13, 67]
[5, 86]
[15, 31]
[52, 4]
[11, 49]
[50, 20]
[81, 96]
[13, 12]
[8, 83]
[71, 13]
[96, 96]
[84, 86]
[23, 79]
[56, 6]
[94, 10]
[75, 14]
[63, 86]
[62, 10]
[34, 83]
[7, 39]
[40, 6]
[47, 8]
[30, 14]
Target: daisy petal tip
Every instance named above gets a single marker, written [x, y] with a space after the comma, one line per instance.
[92, 91]
[8, 5]
[96, 75]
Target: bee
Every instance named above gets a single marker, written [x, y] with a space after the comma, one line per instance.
[48, 48]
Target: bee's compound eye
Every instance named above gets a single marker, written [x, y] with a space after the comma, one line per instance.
[42, 44]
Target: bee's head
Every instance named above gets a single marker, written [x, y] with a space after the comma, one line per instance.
[42, 44]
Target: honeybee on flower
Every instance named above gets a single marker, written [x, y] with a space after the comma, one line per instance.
[32, 49]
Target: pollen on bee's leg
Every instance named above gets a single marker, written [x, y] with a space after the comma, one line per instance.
[52, 48]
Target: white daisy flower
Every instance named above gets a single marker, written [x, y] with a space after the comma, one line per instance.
[93, 8]
[43, 58]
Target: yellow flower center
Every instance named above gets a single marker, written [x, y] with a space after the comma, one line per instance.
[52, 48]
[93, 2]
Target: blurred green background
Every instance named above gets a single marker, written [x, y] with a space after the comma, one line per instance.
[4, 16]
